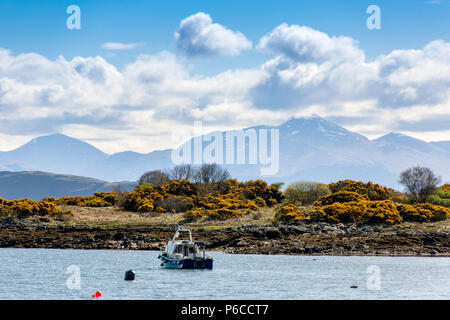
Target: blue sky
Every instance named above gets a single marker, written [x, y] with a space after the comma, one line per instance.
[260, 62]
[39, 26]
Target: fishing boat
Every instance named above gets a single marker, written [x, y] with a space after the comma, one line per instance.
[185, 254]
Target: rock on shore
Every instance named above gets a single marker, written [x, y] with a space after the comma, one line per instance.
[306, 238]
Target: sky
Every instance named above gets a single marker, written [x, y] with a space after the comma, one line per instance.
[136, 71]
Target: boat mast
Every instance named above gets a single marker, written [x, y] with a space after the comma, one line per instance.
[182, 229]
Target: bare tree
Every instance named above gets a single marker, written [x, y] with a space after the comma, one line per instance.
[181, 172]
[117, 188]
[211, 173]
[154, 177]
[420, 182]
[120, 196]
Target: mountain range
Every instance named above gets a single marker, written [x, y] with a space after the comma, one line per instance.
[310, 148]
[37, 185]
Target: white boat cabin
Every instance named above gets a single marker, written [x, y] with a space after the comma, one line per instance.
[180, 249]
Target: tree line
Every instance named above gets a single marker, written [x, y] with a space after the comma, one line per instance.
[206, 173]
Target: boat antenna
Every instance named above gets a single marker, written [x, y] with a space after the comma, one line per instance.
[182, 229]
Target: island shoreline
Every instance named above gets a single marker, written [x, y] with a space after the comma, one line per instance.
[313, 239]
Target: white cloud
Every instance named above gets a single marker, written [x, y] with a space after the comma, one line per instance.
[304, 44]
[89, 96]
[121, 46]
[31, 80]
[138, 107]
[197, 35]
[311, 67]
[416, 76]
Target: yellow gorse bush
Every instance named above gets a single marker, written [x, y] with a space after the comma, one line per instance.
[28, 208]
[216, 201]
[195, 214]
[367, 211]
[340, 212]
[379, 211]
[341, 197]
[98, 199]
[254, 189]
[382, 211]
[356, 201]
[424, 212]
[409, 213]
[289, 213]
[372, 190]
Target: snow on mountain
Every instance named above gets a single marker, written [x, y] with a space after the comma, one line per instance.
[310, 148]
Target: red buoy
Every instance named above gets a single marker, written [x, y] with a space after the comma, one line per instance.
[98, 294]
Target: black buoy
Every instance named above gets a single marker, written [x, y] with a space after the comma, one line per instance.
[353, 287]
[130, 275]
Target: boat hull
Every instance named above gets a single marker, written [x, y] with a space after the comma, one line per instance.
[187, 263]
[197, 264]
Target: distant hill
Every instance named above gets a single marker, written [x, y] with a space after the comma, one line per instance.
[37, 185]
[311, 148]
[128, 165]
[445, 145]
[54, 153]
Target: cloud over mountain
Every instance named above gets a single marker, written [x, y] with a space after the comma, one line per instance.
[330, 75]
[139, 106]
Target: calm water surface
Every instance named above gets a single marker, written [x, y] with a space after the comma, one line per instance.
[42, 274]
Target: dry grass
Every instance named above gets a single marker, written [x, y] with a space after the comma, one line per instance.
[436, 225]
[110, 217]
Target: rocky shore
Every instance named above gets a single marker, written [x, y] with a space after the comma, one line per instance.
[305, 238]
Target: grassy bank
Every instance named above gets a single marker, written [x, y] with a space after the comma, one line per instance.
[111, 228]
[343, 218]
[111, 218]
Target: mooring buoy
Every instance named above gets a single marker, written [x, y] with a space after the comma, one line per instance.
[130, 275]
[97, 294]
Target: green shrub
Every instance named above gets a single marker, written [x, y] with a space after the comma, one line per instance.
[175, 204]
[441, 197]
[305, 193]
[437, 200]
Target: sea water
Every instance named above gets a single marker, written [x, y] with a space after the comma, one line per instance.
[78, 274]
